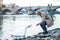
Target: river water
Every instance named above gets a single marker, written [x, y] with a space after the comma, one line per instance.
[16, 25]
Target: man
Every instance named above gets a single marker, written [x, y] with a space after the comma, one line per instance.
[46, 20]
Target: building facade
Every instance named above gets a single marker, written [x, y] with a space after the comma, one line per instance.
[1, 3]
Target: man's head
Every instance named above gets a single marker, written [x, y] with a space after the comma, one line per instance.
[38, 13]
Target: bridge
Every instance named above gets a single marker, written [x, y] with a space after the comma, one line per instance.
[33, 7]
[15, 9]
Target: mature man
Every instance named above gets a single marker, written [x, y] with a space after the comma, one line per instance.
[46, 20]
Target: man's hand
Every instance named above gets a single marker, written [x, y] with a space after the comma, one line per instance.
[37, 24]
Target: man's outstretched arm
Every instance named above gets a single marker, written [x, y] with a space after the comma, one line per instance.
[37, 24]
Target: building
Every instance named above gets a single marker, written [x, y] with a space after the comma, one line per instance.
[1, 3]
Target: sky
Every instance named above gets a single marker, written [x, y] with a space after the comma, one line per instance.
[32, 2]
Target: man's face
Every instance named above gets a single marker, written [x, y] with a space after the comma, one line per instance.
[38, 13]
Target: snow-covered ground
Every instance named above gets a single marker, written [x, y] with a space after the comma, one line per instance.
[18, 26]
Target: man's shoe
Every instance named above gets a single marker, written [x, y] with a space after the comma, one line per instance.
[45, 32]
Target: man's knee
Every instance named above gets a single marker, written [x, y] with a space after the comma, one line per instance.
[43, 23]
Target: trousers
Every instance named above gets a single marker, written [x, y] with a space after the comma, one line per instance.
[43, 26]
